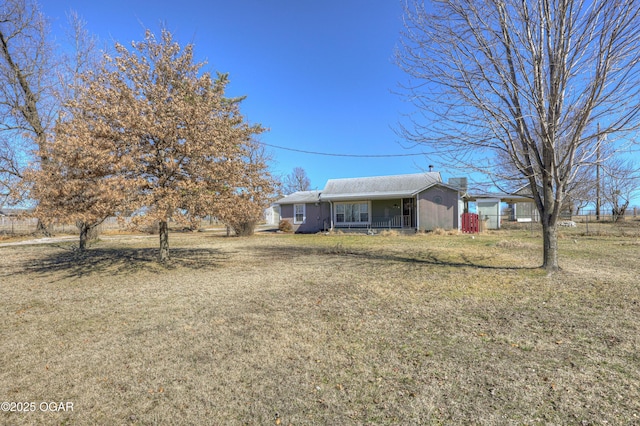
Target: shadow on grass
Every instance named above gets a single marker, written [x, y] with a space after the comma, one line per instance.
[74, 264]
[425, 258]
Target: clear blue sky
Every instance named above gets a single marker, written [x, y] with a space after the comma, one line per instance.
[319, 74]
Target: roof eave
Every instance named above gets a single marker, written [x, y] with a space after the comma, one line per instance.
[431, 185]
[365, 196]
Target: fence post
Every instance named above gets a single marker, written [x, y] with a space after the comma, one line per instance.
[587, 224]
[531, 227]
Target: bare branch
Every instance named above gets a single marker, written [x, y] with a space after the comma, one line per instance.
[525, 81]
[297, 180]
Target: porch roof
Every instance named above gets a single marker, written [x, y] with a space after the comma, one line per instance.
[503, 197]
[379, 187]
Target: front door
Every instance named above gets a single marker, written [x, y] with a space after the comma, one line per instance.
[408, 213]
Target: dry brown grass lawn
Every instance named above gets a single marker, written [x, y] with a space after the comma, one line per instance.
[340, 329]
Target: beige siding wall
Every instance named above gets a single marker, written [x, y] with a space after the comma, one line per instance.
[438, 208]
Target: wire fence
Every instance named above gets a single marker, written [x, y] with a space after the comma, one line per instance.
[605, 214]
[587, 221]
[12, 225]
[16, 225]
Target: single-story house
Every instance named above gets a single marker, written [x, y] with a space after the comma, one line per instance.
[305, 211]
[527, 211]
[411, 202]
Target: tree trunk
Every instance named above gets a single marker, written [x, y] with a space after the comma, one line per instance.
[550, 244]
[164, 241]
[42, 229]
[549, 212]
[549, 215]
[84, 235]
[618, 211]
[88, 232]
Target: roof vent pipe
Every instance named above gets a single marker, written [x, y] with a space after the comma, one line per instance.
[430, 168]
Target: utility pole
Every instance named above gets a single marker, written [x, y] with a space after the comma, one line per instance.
[598, 175]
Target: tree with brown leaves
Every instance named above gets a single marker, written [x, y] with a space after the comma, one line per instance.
[35, 82]
[85, 178]
[254, 195]
[75, 181]
[168, 145]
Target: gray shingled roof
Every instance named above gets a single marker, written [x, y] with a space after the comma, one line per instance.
[301, 197]
[379, 187]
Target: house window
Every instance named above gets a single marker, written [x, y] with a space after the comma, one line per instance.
[352, 212]
[299, 213]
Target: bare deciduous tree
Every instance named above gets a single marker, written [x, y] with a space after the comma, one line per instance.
[297, 180]
[620, 183]
[80, 55]
[11, 169]
[526, 78]
[582, 191]
[26, 89]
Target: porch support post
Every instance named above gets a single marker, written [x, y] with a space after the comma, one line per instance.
[331, 213]
[417, 212]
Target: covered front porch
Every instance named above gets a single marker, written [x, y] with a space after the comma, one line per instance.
[395, 213]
